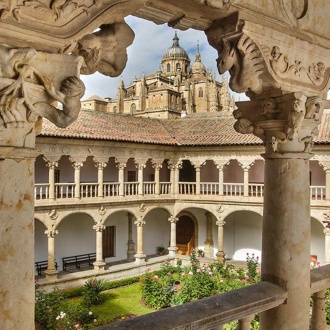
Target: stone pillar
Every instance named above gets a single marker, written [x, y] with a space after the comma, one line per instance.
[173, 248]
[172, 177]
[140, 168]
[220, 168]
[176, 178]
[198, 179]
[27, 79]
[208, 244]
[100, 167]
[220, 254]
[51, 272]
[286, 121]
[51, 165]
[246, 164]
[130, 243]
[327, 244]
[121, 181]
[157, 168]
[139, 256]
[77, 164]
[318, 319]
[99, 263]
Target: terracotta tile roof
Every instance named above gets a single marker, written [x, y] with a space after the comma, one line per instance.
[188, 131]
[105, 126]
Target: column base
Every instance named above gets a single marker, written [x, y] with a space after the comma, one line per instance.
[172, 251]
[51, 274]
[99, 265]
[208, 249]
[140, 258]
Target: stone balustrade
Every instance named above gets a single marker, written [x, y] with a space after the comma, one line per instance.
[89, 190]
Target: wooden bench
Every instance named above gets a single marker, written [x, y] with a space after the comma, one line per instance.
[77, 260]
[42, 265]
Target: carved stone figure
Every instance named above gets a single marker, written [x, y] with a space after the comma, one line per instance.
[244, 63]
[242, 125]
[105, 50]
[314, 108]
[269, 107]
[296, 117]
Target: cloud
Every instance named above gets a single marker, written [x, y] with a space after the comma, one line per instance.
[144, 55]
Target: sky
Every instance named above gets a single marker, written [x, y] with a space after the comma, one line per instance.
[144, 55]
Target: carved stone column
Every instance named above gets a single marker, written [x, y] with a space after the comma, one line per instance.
[157, 168]
[246, 164]
[318, 319]
[99, 263]
[121, 181]
[130, 243]
[175, 177]
[140, 256]
[173, 248]
[286, 83]
[140, 168]
[51, 272]
[220, 254]
[221, 164]
[198, 179]
[208, 244]
[77, 164]
[100, 167]
[51, 164]
[29, 84]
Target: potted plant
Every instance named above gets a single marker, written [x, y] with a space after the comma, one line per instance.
[160, 249]
[200, 253]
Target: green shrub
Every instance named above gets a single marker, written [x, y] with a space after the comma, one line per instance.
[48, 306]
[92, 291]
[252, 265]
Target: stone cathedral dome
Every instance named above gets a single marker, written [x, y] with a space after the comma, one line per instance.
[175, 51]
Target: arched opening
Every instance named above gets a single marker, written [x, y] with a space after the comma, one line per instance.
[317, 241]
[133, 107]
[185, 235]
[187, 172]
[178, 66]
[168, 67]
[242, 235]
[200, 92]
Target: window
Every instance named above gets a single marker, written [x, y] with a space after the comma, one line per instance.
[131, 176]
[109, 241]
[178, 67]
[168, 67]
[114, 109]
[200, 92]
[133, 107]
[57, 176]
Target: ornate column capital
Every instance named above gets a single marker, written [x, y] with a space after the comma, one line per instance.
[100, 164]
[51, 163]
[139, 222]
[220, 222]
[77, 162]
[157, 166]
[51, 233]
[140, 166]
[221, 163]
[99, 227]
[121, 166]
[173, 219]
[246, 163]
[286, 124]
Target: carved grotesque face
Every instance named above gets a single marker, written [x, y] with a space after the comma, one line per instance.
[226, 58]
[313, 108]
[299, 106]
[269, 104]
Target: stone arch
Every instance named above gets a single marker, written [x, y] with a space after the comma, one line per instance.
[242, 234]
[156, 230]
[68, 242]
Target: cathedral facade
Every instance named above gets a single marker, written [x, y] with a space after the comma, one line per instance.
[175, 90]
